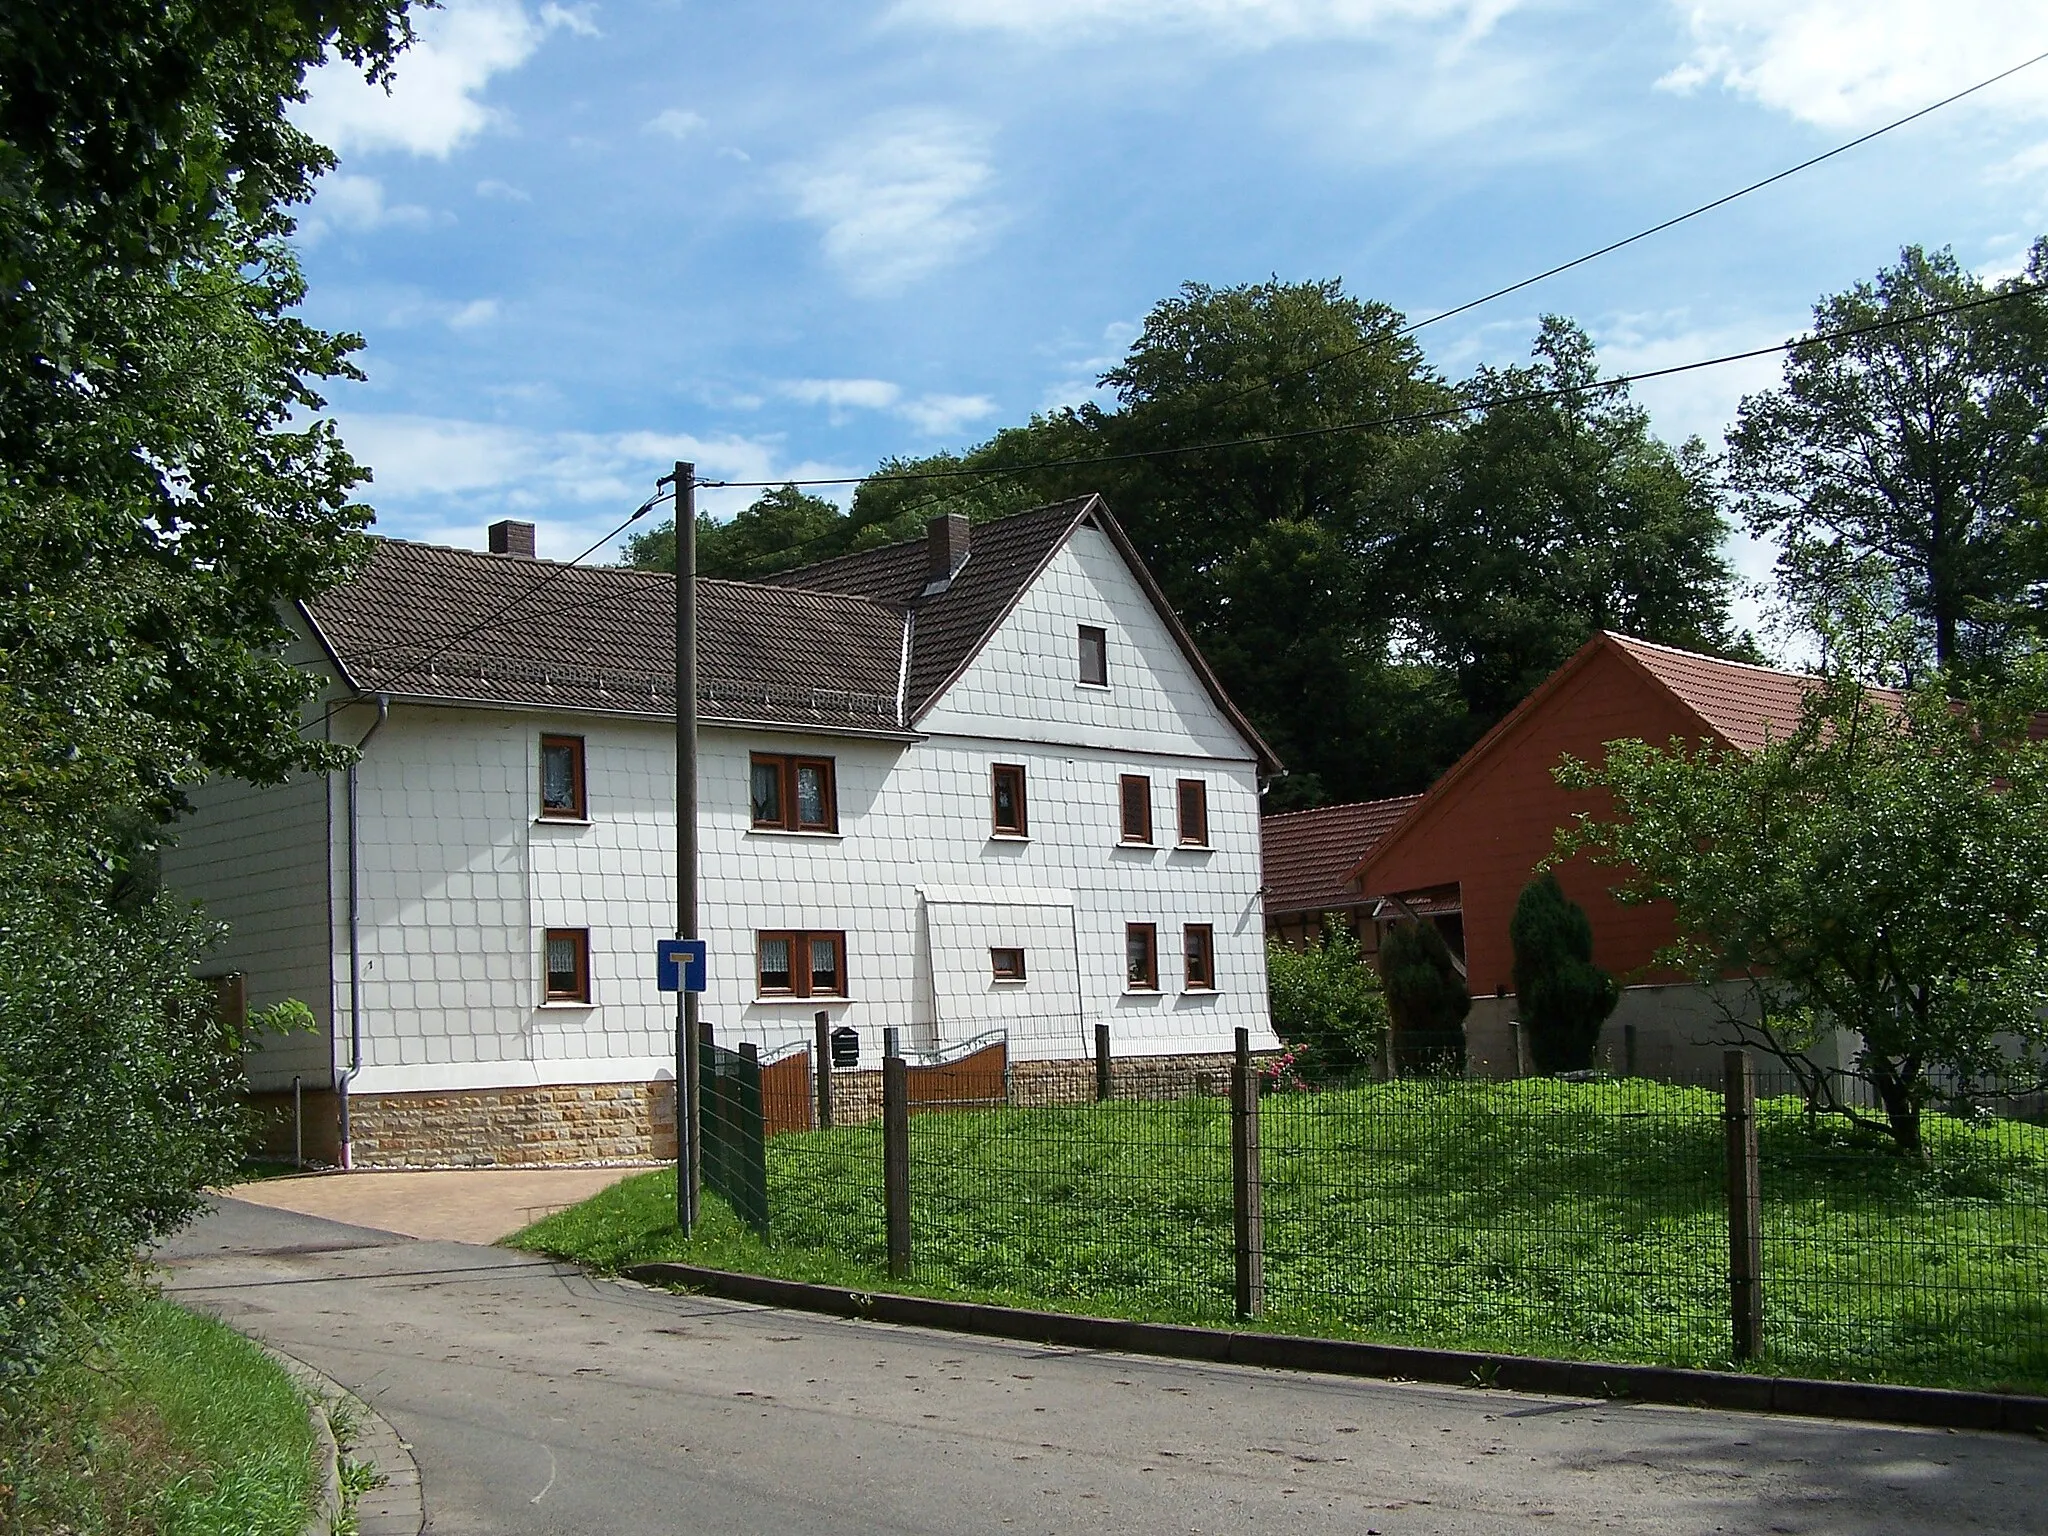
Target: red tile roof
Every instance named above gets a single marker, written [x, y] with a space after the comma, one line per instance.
[1741, 704]
[1309, 854]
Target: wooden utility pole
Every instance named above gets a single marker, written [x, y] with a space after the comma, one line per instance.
[689, 1094]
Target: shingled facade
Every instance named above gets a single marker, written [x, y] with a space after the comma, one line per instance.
[982, 781]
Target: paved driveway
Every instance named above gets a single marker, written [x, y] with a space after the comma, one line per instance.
[540, 1400]
[464, 1205]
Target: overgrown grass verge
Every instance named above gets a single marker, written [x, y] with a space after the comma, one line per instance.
[159, 1423]
[1538, 1217]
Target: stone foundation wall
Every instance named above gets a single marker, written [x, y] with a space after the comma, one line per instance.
[514, 1127]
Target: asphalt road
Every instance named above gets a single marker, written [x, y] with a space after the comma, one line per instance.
[537, 1399]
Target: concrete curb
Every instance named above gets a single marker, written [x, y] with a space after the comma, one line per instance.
[1874, 1402]
[396, 1506]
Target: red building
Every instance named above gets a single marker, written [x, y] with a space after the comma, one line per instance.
[1476, 838]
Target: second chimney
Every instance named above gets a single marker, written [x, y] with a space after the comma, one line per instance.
[510, 538]
[946, 546]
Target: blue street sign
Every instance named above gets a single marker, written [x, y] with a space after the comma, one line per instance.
[679, 965]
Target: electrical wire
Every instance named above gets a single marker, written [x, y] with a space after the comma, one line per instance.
[1642, 234]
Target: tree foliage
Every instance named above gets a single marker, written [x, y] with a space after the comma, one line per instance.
[1427, 1000]
[783, 528]
[1910, 449]
[169, 481]
[1562, 996]
[1559, 515]
[1326, 1000]
[1883, 869]
[1376, 583]
[169, 486]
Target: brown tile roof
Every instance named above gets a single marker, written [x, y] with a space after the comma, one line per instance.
[1006, 553]
[821, 645]
[949, 627]
[1741, 704]
[458, 625]
[1308, 855]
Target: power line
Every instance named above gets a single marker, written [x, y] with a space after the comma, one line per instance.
[1414, 418]
[1642, 234]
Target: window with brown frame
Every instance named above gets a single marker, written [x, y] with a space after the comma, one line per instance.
[1094, 656]
[1194, 812]
[1006, 800]
[1198, 944]
[568, 965]
[794, 964]
[1006, 964]
[1141, 957]
[1134, 790]
[561, 779]
[794, 794]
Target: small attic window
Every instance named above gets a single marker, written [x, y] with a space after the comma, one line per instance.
[1094, 657]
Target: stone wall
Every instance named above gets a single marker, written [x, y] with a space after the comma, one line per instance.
[514, 1127]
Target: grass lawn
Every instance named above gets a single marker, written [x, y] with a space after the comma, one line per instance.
[1533, 1217]
[164, 1424]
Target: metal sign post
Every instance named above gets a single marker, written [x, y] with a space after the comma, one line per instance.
[689, 1104]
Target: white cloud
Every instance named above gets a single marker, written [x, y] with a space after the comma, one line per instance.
[945, 415]
[844, 394]
[576, 18]
[901, 198]
[676, 123]
[446, 479]
[476, 312]
[433, 106]
[356, 203]
[504, 191]
[1853, 63]
[1254, 22]
[932, 415]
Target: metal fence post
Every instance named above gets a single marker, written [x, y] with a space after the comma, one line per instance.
[1102, 1093]
[896, 1162]
[821, 1069]
[1248, 1219]
[1745, 1204]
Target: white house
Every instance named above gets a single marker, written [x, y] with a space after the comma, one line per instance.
[977, 782]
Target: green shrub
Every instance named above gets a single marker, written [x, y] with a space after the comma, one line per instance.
[1563, 997]
[1327, 1000]
[120, 1089]
[1427, 1000]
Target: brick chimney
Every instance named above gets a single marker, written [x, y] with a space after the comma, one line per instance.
[946, 548]
[510, 538]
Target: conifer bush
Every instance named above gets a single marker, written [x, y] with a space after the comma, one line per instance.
[1562, 995]
[1427, 999]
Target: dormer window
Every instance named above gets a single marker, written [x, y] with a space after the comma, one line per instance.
[1094, 656]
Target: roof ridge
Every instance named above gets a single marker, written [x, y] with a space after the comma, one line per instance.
[1343, 805]
[917, 539]
[1707, 656]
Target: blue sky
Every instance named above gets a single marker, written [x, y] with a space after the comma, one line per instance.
[582, 240]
